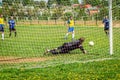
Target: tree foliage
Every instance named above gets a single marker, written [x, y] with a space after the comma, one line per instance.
[29, 8]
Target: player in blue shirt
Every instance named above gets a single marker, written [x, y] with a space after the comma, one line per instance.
[106, 25]
[11, 23]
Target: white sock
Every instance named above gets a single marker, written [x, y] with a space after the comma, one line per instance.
[66, 35]
[3, 36]
[48, 50]
[73, 35]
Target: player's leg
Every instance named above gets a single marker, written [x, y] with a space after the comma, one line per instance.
[10, 30]
[53, 51]
[73, 35]
[72, 31]
[15, 32]
[66, 36]
[69, 30]
[2, 30]
[2, 35]
[106, 30]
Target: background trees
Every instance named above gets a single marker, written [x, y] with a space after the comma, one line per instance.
[57, 9]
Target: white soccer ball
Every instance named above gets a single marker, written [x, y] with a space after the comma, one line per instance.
[91, 43]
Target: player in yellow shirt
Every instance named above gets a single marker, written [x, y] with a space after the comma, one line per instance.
[2, 26]
[70, 26]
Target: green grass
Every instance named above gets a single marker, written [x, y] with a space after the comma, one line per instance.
[31, 41]
[102, 70]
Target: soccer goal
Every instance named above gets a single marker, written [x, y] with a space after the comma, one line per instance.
[32, 28]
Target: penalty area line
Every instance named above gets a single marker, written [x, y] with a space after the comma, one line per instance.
[53, 64]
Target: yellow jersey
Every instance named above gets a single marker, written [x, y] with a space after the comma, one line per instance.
[71, 23]
[1, 21]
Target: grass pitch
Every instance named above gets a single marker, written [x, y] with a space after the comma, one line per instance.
[32, 41]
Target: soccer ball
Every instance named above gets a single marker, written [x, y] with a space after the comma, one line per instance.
[91, 43]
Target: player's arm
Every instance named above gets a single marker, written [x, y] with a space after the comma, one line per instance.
[67, 23]
[14, 23]
[82, 49]
[8, 24]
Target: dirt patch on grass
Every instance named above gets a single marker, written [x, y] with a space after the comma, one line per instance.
[22, 60]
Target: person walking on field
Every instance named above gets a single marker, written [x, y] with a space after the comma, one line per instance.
[70, 26]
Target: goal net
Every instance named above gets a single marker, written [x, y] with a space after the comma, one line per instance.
[42, 24]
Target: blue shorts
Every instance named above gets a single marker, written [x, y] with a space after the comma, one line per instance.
[1, 28]
[70, 29]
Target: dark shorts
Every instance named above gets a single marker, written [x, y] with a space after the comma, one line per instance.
[106, 28]
[1, 28]
[12, 29]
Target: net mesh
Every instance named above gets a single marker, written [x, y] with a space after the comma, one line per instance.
[41, 25]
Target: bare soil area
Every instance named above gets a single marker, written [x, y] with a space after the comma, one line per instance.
[22, 60]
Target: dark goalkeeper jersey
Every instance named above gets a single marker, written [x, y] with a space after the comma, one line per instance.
[106, 22]
[66, 47]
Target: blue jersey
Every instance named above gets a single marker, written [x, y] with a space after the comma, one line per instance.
[11, 24]
[106, 22]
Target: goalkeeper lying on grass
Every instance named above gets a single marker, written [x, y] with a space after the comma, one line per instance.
[67, 47]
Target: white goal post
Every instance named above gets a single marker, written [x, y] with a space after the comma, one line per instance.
[110, 29]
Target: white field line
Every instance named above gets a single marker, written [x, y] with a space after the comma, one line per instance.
[69, 62]
[93, 60]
